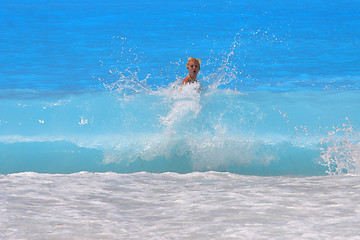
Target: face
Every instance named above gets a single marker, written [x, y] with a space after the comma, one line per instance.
[194, 68]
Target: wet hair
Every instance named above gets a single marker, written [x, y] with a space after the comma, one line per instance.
[191, 59]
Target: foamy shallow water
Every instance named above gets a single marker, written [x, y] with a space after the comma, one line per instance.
[208, 205]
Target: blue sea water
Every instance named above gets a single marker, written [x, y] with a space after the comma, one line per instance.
[90, 98]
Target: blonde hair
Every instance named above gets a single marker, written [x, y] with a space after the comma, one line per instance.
[191, 59]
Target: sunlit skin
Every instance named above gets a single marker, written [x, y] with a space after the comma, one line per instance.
[193, 67]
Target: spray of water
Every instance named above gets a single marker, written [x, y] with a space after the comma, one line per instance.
[179, 124]
[341, 150]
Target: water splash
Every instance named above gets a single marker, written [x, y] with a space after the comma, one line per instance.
[341, 150]
[127, 85]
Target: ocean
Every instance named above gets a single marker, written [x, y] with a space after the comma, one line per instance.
[99, 141]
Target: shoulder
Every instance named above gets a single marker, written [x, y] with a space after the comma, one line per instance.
[186, 80]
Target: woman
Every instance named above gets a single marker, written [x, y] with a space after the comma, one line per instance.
[193, 66]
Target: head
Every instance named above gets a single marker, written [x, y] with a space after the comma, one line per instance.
[193, 66]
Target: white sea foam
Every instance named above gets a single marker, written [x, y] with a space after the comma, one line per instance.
[207, 205]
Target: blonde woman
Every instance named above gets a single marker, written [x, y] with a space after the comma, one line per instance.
[193, 66]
